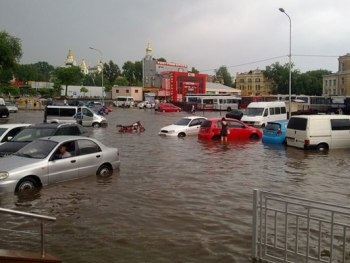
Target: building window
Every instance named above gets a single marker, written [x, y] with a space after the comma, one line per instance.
[326, 83]
[127, 91]
[342, 81]
[117, 91]
[334, 82]
[136, 91]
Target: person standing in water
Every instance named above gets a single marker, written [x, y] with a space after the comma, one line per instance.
[224, 130]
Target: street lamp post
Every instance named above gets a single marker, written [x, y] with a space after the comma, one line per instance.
[101, 59]
[290, 60]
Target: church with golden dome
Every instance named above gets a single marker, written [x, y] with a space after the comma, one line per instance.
[85, 69]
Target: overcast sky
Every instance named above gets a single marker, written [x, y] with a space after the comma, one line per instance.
[204, 34]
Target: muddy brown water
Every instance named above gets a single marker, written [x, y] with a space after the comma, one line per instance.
[173, 200]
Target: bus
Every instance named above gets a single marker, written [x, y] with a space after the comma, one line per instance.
[225, 102]
[256, 98]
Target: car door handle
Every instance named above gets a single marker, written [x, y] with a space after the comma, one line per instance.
[98, 156]
[73, 161]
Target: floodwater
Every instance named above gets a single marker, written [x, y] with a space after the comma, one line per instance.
[173, 200]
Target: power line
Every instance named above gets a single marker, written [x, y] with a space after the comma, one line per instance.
[248, 63]
[272, 58]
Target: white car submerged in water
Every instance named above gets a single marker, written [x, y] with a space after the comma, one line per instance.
[185, 126]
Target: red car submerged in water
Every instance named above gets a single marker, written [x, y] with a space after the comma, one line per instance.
[168, 107]
[210, 130]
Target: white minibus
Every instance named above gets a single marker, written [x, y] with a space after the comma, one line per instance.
[81, 114]
[321, 132]
[258, 114]
[124, 101]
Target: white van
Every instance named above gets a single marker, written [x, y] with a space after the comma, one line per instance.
[258, 114]
[321, 132]
[124, 101]
[59, 114]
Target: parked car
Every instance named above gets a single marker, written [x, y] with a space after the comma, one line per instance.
[235, 114]
[4, 112]
[40, 130]
[185, 126]
[275, 132]
[146, 105]
[210, 130]
[11, 106]
[93, 103]
[168, 107]
[41, 162]
[8, 131]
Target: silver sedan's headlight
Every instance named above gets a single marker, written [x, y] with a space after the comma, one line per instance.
[3, 175]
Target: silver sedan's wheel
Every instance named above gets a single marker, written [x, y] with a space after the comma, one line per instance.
[104, 170]
[26, 185]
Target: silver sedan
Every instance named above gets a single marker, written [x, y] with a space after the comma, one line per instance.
[56, 159]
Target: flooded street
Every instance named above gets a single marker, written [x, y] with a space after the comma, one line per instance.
[173, 200]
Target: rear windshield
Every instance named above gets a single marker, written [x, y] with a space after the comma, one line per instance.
[273, 126]
[206, 123]
[297, 124]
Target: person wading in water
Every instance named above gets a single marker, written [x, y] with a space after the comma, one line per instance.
[224, 130]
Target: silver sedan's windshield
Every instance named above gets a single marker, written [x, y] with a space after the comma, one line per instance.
[38, 149]
[183, 122]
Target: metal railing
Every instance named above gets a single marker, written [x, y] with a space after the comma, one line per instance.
[42, 218]
[291, 229]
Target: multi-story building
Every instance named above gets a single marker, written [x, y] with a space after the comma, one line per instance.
[338, 84]
[253, 83]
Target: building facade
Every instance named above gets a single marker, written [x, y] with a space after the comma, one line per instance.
[170, 80]
[135, 92]
[253, 83]
[338, 84]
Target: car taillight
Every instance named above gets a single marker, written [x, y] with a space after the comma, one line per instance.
[279, 132]
[307, 142]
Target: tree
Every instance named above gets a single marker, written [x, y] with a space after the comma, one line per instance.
[310, 82]
[44, 70]
[131, 71]
[194, 70]
[83, 90]
[279, 75]
[10, 50]
[69, 76]
[112, 72]
[121, 81]
[223, 76]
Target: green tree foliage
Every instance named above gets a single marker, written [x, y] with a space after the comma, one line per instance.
[83, 90]
[223, 76]
[133, 72]
[111, 72]
[69, 76]
[45, 70]
[309, 83]
[138, 72]
[121, 81]
[9, 91]
[5, 76]
[194, 70]
[10, 50]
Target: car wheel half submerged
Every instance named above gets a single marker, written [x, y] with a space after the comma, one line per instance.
[104, 170]
[26, 185]
[181, 135]
[254, 137]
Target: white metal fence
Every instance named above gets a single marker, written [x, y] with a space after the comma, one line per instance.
[291, 229]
